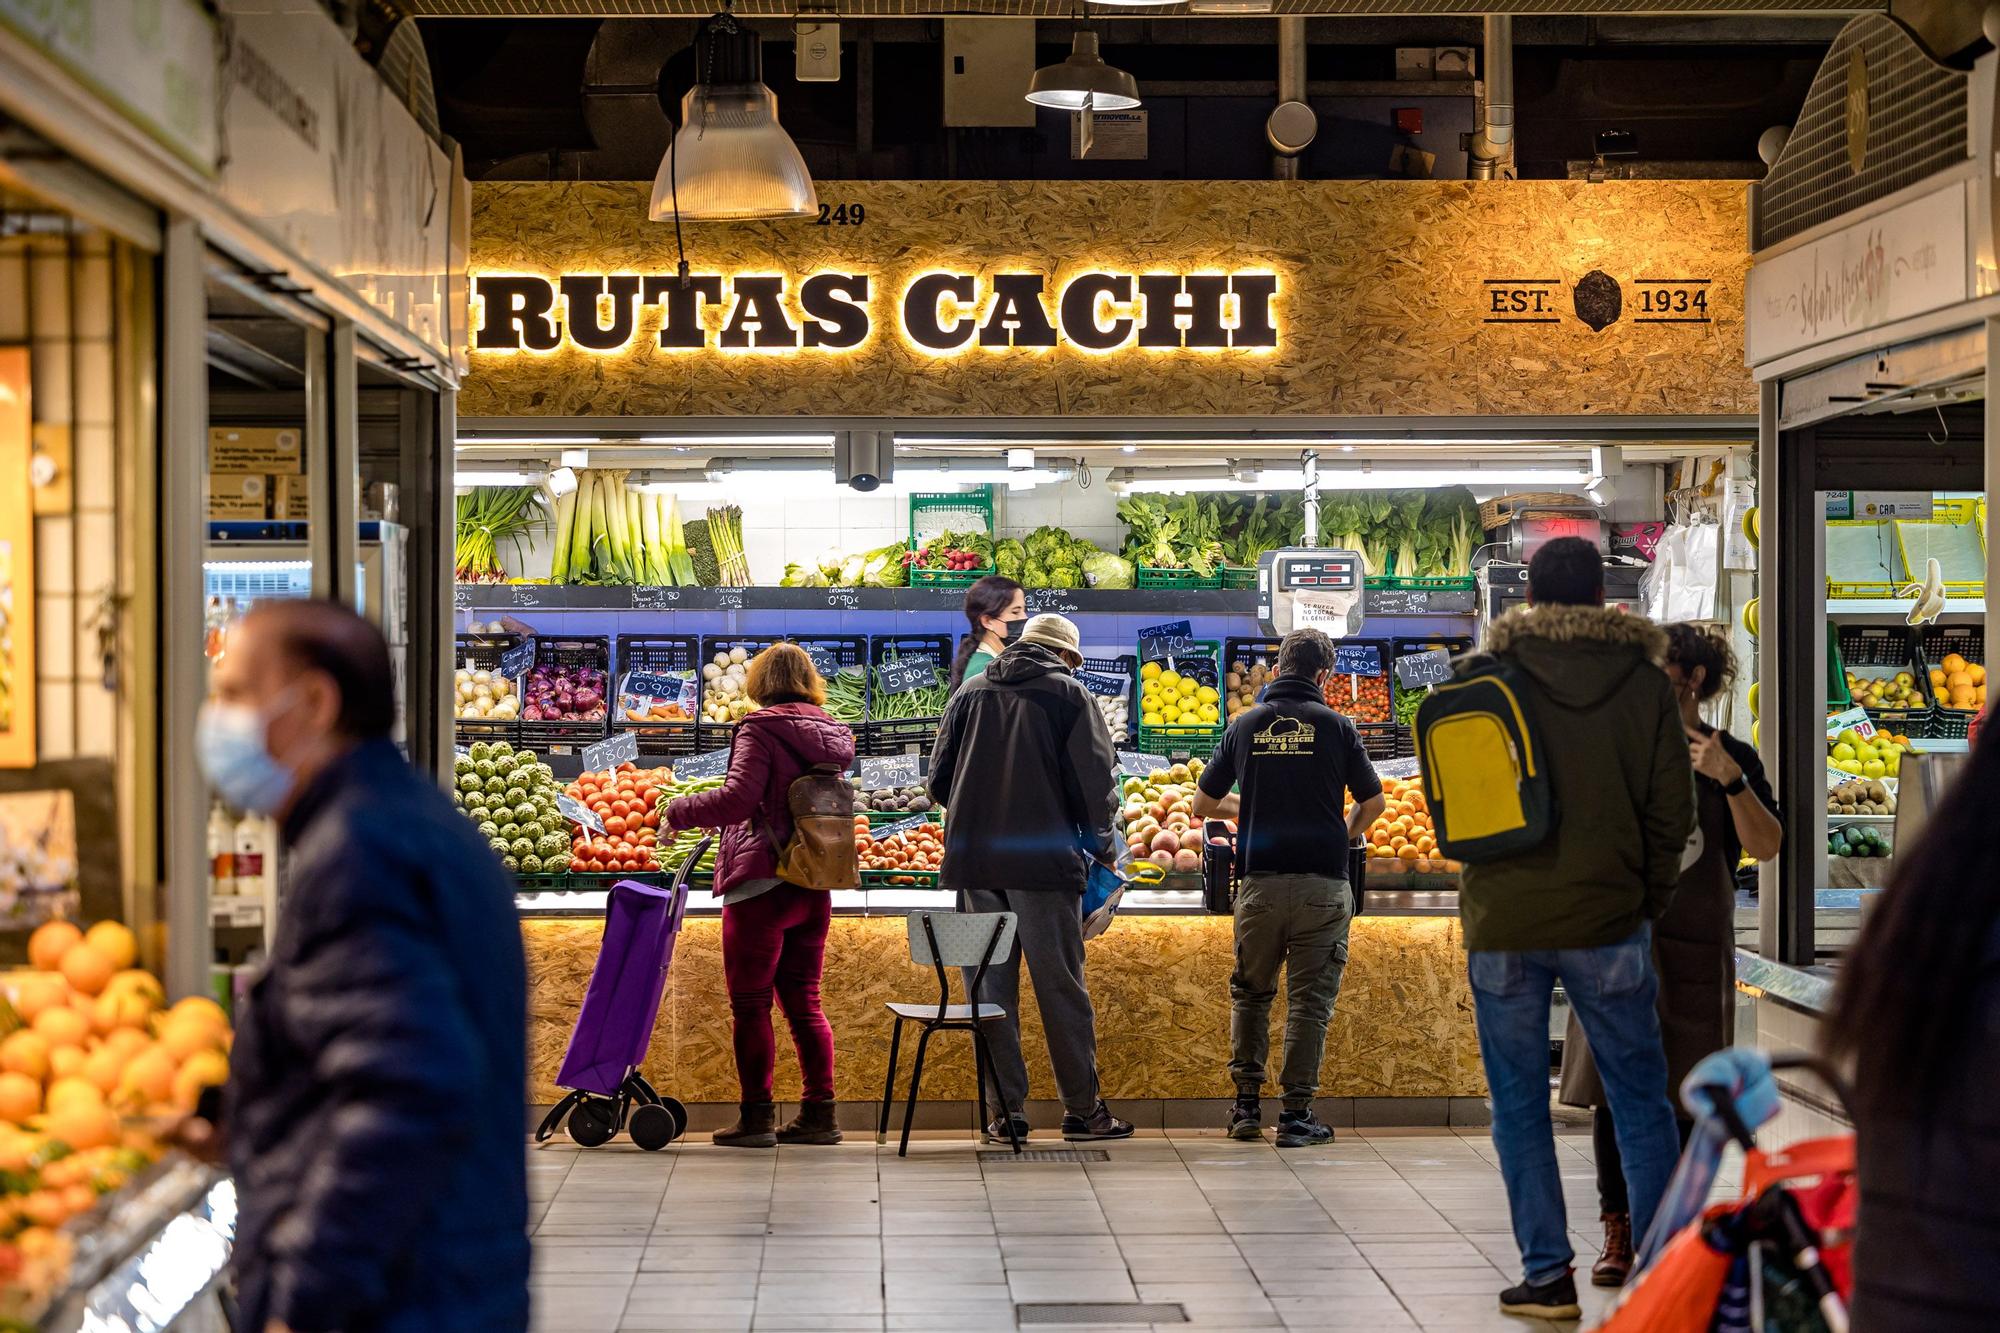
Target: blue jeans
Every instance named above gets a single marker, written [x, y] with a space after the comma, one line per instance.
[1612, 989]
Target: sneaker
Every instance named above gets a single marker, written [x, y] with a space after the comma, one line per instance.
[1554, 1299]
[1302, 1129]
[996, 1132]
[1246, 1119]
[1099, 1124]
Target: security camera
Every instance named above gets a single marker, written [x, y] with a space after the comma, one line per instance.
[864, 459]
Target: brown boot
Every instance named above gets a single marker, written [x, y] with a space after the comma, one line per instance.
[752, 1128]
[814, 1124]
[1615, 1264]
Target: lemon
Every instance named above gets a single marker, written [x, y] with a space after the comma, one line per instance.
[1150, 671]
[1206, 713]
[1187, 687]
[1170, 679]
[1206, 694]
[1149, 719]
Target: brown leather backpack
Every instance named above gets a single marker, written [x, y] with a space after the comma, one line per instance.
[820, 854]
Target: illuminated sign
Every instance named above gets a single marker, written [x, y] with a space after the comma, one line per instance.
[937, 312]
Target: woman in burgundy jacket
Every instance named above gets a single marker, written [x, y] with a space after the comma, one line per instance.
[773, 933]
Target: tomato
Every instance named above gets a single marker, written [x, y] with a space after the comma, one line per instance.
[615, 825]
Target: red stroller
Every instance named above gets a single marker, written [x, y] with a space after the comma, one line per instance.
[615, 1027]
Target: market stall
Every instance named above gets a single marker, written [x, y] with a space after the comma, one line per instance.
[651, 491]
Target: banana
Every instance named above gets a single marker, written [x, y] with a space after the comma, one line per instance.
[1929, 594]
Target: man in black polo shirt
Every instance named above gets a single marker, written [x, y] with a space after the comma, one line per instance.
[1293, 758]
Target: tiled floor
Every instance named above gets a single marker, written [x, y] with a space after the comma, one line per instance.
[1384, 1230]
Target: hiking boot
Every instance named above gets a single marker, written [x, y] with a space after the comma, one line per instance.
[1615, 1264]
[1302, 1129]
[1246, 1119]
[753, 1128]
[1099, 1124]
[996, 1131]
[1554, 1299]
[813, 1125]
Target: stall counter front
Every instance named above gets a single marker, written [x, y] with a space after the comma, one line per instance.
[1160, 983]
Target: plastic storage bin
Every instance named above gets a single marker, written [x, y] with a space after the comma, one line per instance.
[660, 654]
[482, 652]
[905, 734]
[592, 652]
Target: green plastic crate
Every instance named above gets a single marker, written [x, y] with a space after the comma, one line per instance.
[947, 578]
[1239, 577]
[1180, 579]
[1180, 742]
[1453, 583]
[899, 879]
[967, 511]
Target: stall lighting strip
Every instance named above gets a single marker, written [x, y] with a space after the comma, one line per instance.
[1350, 479]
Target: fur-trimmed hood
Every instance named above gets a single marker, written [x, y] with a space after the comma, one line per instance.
[1580, 655]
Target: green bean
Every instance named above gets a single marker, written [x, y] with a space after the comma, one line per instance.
[847, 695]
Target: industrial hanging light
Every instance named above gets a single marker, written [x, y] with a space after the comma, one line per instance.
[1084, 82]
[730, 160]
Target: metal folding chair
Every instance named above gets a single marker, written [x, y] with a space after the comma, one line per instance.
[945, 940]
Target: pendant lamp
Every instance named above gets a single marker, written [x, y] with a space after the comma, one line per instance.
[1083, 82]
[730, 161]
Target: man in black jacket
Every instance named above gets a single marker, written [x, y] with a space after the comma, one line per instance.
[1296, 760]
[1027, 750]
[374, 1111]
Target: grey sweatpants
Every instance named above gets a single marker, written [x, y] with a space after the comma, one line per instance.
[1049, 931]
[1299, 923]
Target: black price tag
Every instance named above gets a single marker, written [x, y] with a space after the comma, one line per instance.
[1059, 601]
[1160, 647]
[576, 812]
[653, 684]
[1357, 659]
[824, 660]
[461, 598]
[1397, 601]
[844, 599]
[618, 748]
[1419, 671]
[1135, 765]
[879, 772]
[1172, 629]
[526, 594]
[711, 764]
[883, 832]
[653, 599]
[1114, 687]
[906, 674]
[515, 661]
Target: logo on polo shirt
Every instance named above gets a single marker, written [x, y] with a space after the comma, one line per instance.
[1285, 735]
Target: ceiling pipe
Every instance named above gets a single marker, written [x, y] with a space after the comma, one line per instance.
[1292, 124]
[1491, 155]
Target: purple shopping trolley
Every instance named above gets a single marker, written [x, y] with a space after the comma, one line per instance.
[600, 1069]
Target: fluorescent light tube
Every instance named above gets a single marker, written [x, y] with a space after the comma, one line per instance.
[497, 479]
[1347, 479]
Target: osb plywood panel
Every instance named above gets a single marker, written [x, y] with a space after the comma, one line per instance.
[1386, 290]
[1160, 986]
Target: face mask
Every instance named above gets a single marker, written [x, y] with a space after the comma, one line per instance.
[229, 745]
[1010, 630]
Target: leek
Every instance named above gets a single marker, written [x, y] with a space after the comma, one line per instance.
[581, 529]
[559, 558]
[611, 486]
[649, 536]
[641, 556]
[676, 549]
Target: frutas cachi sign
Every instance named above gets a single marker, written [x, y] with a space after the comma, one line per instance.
[937, 312]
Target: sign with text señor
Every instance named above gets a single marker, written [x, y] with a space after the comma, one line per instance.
[1115, 298]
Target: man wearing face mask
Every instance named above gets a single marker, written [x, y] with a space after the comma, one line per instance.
[373, 1116]
[1295, 760]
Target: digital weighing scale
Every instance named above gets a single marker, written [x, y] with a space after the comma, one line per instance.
[1302, 587]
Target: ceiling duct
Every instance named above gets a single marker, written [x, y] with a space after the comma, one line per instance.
[1292, 124]
[1491, 155]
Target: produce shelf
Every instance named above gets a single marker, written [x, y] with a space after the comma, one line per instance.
[1126, 669]
[1851, 608]
[904, 735]
[519, 597]
[665, 654]
[953, 579]
[482, 652]
[1148, 577]
[589, 651]
[900, 879]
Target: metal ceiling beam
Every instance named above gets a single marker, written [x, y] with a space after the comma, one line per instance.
[1063, 9]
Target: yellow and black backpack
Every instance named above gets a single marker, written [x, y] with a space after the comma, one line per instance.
[1486, 775]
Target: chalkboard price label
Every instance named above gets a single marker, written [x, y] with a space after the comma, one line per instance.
[461, 598]
[1397, 768]
[516, 660]
[654, 684]
[526, 594]
[653, 599]
[879, 772]
[1420, 671]
[1172, 629]
[615, 749]
[1114, 687]
[884, 832]
[709, 764]
[1162, 647]
[1135, 765]
[824, 660]
[844, 599]
[905, 674]
[576, 812]
[729, 599]
[1357, 659]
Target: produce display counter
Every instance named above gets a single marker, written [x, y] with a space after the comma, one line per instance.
[150, 1255]
[1159, 979]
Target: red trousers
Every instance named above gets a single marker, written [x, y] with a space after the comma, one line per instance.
[774, 945]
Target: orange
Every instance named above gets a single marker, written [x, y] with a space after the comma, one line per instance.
[127, 1042]
[114, 941]
[38, 991]
[103, 1066]
[1408, 852]
[1952, 662]
[82, 1127]
[120, 1009]
[64, 1026]
[65, 1061]
[87, 968]
[25, 1053]
[138, 981]
[44, 1208]
[79, 1198]
[51, 940]
[67, 1092]
[203, 1069]
[148, 1078]
[184, 1034]
[201, 1004]
[20, 1097]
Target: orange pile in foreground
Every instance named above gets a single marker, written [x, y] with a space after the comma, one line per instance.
[1403, 834]
[88, 1043]
[1958, 683]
